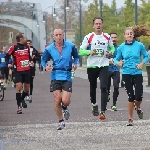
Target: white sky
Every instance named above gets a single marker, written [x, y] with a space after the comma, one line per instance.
[46, 3]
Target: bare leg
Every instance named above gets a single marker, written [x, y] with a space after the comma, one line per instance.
[66, 98]
[57, 104]
[130, 106]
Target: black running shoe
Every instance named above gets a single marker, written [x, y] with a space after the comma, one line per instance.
[24, 105]
[19, 111]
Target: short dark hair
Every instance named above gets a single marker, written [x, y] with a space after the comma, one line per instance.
[97, 18]
[18, 36]
[112, 33]
[29, 41]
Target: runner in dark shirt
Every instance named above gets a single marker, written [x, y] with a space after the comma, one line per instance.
[35, 56]
[21, 67]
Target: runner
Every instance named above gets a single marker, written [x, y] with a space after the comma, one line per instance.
[35, 56]
[98, 47]
[114, 74]
[39, 62]
[21, 68]
[61, 53]
[4, 67]
[131, 52]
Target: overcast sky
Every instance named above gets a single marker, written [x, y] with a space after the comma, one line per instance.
[46, 3]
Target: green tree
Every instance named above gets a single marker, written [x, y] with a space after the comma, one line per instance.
[128, 13]
[87, 26]
[144, 18]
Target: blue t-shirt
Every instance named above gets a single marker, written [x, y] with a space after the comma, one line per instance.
[112, 67]
[3, 63]
[131, 54]
[62, 62]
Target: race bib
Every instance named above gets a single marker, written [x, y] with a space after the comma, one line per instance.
[24, 63]
[2, 59]
[99, 52]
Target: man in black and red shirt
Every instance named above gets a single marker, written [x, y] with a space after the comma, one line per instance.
[21, 67]
[35, 56]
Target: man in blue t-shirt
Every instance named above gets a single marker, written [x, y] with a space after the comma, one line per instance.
[114, 73]
[61, 53]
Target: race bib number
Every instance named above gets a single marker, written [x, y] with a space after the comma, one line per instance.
[99, 52]
[2, 59]
[24, 63]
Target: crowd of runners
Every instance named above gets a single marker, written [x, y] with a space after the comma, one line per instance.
[105, 58]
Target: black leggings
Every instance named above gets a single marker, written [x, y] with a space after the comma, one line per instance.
[31, 84]
[135, 81]
[116, 80]
[93, 74]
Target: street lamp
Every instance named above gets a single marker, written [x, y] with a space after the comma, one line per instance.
[66, 8]
[136, 12]
[45, 20]
[101, 7]
[80, 58]
[80, 20]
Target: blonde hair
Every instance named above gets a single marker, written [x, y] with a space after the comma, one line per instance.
[128, 28]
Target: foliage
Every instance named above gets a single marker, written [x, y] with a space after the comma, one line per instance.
[116, 20]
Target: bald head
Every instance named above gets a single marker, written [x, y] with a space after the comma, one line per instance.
[56, 31]
[58, 36]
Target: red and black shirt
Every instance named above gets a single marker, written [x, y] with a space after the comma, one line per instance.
[21, 57]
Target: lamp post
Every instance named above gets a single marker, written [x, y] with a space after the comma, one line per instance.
[80, 22]
[101, 5]
[66, 7]
[136, 12]
[45, 21]
[80, 58]
[65, 20]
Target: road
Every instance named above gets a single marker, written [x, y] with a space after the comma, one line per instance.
[36, 127]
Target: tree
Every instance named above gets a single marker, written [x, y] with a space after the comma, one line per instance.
[144, 18]
[128, 13]
[93, 11]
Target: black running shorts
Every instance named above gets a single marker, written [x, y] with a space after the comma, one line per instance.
[22, 77]
[61, 85]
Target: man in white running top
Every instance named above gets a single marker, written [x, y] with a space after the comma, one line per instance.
[98, 47]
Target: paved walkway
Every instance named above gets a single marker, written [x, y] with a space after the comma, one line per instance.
[36, 127]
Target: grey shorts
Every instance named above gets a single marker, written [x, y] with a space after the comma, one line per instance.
[60, 85]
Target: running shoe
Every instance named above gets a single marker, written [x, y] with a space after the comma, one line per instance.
[26, 98]
[114, 108]
[24, 105]
[61, 125]
[30, 98]
[140, 113]
[95, 110]
[102, 116]
[12, 84]
[66, 113]
[19, 111]
[130, 122]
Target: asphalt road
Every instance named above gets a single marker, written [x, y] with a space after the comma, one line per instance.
[36, 127]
